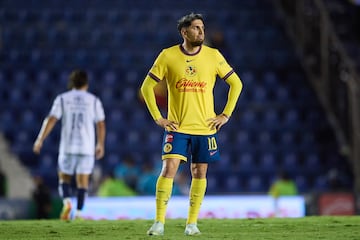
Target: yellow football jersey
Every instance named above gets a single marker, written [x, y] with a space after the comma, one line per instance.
[190, 81]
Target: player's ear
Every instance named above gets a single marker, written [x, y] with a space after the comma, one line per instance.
[183, 32]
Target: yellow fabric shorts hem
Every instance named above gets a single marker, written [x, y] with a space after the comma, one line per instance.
[178, 156]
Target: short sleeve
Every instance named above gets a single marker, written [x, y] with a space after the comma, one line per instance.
[99, 111]
[223, 68]
[57, 108]
[159, 69]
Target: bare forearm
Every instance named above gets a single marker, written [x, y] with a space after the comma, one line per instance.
[100, 132]
[46, 128]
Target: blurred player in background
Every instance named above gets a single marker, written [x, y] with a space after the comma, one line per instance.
[282, 186]
[79, 111]
[191, 127]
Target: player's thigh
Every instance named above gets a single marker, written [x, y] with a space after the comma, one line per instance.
[204, 149]
[85, 164]
[64, 178]
[66, 164]
[175, 146]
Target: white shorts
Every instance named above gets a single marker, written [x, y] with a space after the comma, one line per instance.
[75, 163]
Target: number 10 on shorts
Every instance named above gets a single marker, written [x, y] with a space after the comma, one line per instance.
[212, 145]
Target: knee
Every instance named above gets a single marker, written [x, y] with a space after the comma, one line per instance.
[168, 172]
[198, 171]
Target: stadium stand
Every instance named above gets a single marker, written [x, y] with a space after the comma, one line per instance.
[278, 123]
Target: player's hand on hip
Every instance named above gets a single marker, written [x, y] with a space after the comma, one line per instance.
[218, 121]
[168, 125]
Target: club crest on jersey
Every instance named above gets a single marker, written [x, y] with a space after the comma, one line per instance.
[167, 148]
[190, 71]
[169, 138]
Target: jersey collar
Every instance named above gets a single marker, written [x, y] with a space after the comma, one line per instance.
[182, 49]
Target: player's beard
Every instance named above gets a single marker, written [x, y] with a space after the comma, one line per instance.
[197, 43]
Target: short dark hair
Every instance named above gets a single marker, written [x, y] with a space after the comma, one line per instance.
[78, 79]
[186, 20]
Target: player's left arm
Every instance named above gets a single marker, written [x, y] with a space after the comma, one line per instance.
[234, 92]
[100, 141]
[100, 129]
[233, 95]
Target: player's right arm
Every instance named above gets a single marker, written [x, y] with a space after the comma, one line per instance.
[147, 90]
[49, 123]
[47, 126]
[157, 72]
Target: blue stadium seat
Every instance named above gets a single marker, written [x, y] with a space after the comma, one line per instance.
[109, 78]
[152, 139]
[38, 58]
[270, 80]
[233, 183]
[213, 185]
[225, 162]
[302, 183]
[47, 163]
[287, 139]
[8, 123]
[312, 162]
[321, 184]
[107, 95]
[112, 141]
[58, 57]
[138, 119]
[246, 163]
[291, 163]
[133, 140]
[115, 120]
[307, 140]
[16, 96]
[20, 79]
[111, 160]
[265, 139]
[291, 118]
[42, 77]
[282, 94]
[249, 119]
[259, 94]
[271, 118]
[243, 139]
[255, 184]
[269, 162]
[28, 120]
[73, 16]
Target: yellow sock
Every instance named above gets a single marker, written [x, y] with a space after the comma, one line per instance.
[163, 194]
[197, 192]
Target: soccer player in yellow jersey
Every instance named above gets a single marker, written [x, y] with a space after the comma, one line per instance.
[190, 71]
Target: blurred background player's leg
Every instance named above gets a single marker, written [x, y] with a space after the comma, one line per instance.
[64, 192]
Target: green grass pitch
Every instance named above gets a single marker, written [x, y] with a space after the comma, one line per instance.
[327, 228]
